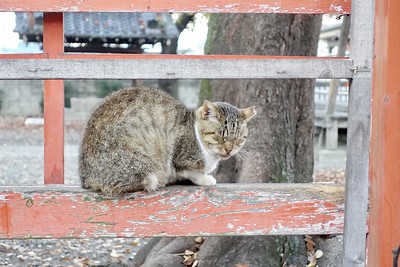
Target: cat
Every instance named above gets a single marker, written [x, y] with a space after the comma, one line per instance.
[141, 138]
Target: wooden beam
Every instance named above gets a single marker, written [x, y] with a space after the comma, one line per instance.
[384, 234]
[175, 67]
[225, 209]
[358, 134]
[22, 56]
[53, 46]
[204, 6]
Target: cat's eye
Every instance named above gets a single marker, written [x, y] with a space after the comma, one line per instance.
[204, 132]
[220, 139]
[212, 143]
[240, 141]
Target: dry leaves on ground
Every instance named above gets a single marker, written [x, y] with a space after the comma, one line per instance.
[190, 258]
[312, 254]
[332, 176]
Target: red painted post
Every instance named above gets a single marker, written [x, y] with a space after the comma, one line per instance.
[53, 46]
[384, 226]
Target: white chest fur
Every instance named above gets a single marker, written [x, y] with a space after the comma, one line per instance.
[211, 161]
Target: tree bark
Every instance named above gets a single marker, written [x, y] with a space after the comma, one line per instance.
[280, 143]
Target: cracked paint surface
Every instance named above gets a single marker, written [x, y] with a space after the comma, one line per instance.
[205, 6]
[173, 211]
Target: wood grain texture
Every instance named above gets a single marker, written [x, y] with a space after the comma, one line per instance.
[384, 234]
[53, 100]
[358, 134]
[226, 209]
[203, 6]
[176, 67]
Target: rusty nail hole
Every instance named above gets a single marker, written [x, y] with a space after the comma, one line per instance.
[29, 202]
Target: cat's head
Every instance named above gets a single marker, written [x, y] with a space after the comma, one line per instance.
[223, 127]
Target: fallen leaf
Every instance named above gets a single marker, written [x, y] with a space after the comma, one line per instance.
[189, 252]
[199, 240]
[309, 243]
[187, 260]
[318, 254]
[312, 259]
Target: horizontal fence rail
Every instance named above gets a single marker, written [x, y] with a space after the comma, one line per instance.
[204, 6]
[71, 66]
[225, 209]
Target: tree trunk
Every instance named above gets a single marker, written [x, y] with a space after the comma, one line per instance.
[280, 143]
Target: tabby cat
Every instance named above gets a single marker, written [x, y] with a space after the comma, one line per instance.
[143, 139]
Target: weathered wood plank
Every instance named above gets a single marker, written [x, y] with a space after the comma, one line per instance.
[177, 67]
[204, 6]
[384, 226]
[358, 134]
[226, 209]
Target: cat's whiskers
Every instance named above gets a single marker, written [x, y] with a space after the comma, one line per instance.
[242, 155]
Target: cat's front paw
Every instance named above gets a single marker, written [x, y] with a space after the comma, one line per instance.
[206, 180]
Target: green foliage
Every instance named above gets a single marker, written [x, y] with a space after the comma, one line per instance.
[105, 87]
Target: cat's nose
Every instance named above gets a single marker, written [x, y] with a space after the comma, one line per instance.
[228, 150]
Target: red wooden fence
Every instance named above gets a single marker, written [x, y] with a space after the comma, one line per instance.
[243, 209]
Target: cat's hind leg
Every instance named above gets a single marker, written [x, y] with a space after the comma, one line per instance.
[151, 183]
[118, 187]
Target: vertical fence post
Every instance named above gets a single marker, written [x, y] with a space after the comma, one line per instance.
[384, 227]
[53, 46]
[358, 134]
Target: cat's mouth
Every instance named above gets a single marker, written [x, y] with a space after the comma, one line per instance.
[225, 156]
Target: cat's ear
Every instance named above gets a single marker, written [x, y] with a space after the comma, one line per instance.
[209, 111]
[247, 113]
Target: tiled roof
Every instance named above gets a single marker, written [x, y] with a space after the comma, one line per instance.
[109, 27]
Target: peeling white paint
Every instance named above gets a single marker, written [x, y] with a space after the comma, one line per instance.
[268, 7]
[240, 229]
[231, 6]
[104, 208]
[127, 233]
[138, 222]
[197, 206]
[336, 8]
